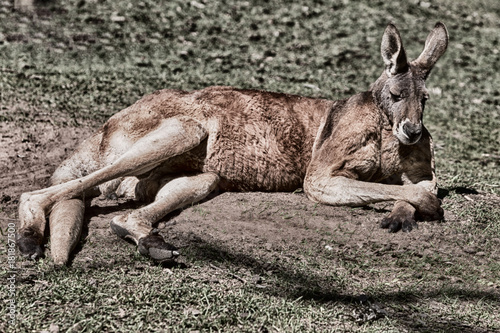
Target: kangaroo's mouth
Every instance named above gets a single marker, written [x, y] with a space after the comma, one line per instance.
[408, 133]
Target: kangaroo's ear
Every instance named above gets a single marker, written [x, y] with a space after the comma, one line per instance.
[393, 52]
[435, 46]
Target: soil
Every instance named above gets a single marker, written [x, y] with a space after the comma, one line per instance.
[253, 224]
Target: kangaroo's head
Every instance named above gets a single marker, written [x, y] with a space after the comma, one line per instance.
[400, 91]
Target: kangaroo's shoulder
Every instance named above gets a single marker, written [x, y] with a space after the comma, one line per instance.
[349, 119]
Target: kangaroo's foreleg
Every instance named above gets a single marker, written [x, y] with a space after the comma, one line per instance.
[178, 193]
[404, 215]
[342, 191]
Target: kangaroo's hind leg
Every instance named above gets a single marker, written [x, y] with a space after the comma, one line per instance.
[69, 212]
[172, 137]
[176, 194]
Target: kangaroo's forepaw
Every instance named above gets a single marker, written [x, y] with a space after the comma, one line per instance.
[155, 247]
[436, 214]
[430, 208]
[30, 244]
[394, 224]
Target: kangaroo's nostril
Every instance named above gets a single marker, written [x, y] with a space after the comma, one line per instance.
[412, 131]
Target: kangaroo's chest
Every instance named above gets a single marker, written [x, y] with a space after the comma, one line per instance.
[400, 164]
[394, 161]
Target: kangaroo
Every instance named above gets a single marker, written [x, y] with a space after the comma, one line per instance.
[179, 146]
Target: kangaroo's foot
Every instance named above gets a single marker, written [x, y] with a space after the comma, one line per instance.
[155, 247]
[148, 242]
[30, 243]
[30, 236]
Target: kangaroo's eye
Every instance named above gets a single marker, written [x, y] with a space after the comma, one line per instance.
[398, 95]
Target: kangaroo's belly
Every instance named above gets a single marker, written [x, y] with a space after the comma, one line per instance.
[245, 162]
[247, 169]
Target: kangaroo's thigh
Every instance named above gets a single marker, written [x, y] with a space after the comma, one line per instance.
[172, 137]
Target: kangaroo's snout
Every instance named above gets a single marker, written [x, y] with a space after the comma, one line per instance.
[412, 131]
[409, 133]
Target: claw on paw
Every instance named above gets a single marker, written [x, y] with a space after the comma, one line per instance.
[155, 247]
[30, 244]
[409, 225]
[395, 224]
